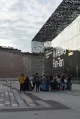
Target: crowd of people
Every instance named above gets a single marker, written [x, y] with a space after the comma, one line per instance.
[45, 82]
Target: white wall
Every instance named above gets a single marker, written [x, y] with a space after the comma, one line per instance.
[69, 38]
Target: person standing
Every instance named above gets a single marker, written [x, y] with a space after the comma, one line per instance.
[51, 82]
[62, 82]
[54, 84]
[21, 80]
[34, 82]
[69, 82]
[26, 84]
[37, 81]
[44, 82]
[58, 82]
[47, 82]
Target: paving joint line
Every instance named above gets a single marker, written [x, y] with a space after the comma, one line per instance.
[9, 99]
[24, 100]
[68, 93]
[15, 98]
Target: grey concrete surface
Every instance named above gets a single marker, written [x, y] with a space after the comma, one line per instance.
[69, 99]
[71, 114]
[11, 99]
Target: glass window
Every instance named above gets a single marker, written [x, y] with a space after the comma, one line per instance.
[70, 43]
[63, 46]
[69, 32]
[75, 44]
[78, 26]
[65, 35]
[66, 45]
[78, 41]
[55, 43]
[63, 49]
[74, 28]
[59, 39]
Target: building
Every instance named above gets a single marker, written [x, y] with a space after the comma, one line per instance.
[62, 30]
[13, 62]
[39, 47]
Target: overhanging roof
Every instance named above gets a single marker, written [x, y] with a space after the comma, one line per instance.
[66, 12]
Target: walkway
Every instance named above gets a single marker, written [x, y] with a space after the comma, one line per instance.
[42, 105]
[12, 99]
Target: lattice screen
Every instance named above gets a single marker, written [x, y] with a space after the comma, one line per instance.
[40, 46]
[37, 47]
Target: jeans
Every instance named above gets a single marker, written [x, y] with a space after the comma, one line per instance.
[69, 85]
[51, 85]
[37, 86]
[33, 85]
[21, 87]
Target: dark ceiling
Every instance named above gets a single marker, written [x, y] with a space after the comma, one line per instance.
[66, 12]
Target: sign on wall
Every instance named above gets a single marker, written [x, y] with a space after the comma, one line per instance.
[57, 52]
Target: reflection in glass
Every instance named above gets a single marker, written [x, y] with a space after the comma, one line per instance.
[69, 32]
[70, 43]
[78, 42]
[75, 44]
[66, 45]
[74, 28]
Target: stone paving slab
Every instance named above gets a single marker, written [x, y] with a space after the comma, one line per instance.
[12, 100]
[28, 100]
[19, 99]
[42, 103]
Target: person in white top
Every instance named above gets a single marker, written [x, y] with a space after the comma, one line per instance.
[58, 82]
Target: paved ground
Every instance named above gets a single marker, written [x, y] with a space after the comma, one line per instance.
[12, 100]
[43, 105]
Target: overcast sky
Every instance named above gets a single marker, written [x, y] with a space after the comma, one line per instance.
[20, 20]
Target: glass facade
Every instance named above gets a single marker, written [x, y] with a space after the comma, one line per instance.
[66, 51]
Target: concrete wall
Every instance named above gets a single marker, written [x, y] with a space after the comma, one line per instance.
[12, 64]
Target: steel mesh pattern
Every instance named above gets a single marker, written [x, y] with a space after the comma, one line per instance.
[66, 12]
[47, 44]
[38, 47]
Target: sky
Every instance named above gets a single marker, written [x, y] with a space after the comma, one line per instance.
[20, 20]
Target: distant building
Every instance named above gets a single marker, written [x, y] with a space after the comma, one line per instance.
[13, 62]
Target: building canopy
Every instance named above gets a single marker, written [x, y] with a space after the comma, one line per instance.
[66, 13]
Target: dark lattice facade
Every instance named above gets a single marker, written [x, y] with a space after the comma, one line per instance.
[66, 12]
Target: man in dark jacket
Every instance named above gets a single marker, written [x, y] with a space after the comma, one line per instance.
[37, 82]
[26, 84]
[51, 82]
[69, 82]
